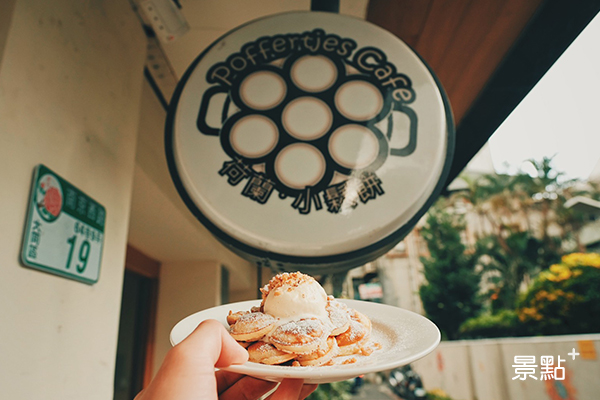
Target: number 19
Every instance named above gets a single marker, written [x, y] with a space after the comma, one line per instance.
[84, 253]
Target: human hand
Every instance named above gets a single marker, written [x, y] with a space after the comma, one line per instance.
[187, 372]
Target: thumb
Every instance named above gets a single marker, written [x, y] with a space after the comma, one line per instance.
[287, 389]
[211, 340]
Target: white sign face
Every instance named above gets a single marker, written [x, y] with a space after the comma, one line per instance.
[65, 229]
[308, 137]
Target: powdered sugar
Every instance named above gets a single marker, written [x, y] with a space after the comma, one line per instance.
[339, 316]
[297, 332]
[252, 322]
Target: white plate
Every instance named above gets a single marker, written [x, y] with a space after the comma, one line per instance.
[404, 336]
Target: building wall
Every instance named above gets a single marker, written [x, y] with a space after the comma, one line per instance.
[184, 289]
[250, 293]
[401, 273]
[396, 275]
[7, 7]
[70, 84]
[161, 225]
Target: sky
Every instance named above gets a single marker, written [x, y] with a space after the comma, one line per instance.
[560, 117]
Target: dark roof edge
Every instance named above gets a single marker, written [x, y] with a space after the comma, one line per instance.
[556, 24]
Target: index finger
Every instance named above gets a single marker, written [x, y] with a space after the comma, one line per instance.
[210, 340]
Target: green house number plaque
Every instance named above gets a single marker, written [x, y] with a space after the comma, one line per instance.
[64, 232]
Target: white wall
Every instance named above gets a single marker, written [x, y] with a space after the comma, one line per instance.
[70, 84]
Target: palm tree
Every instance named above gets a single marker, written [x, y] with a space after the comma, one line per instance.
[518, 217]
[572, 220]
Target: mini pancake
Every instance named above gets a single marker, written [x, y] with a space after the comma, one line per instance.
[338, 315]
[265, 353]
[322, 355]
[233, 317]
[357, 335]
[251, 327]
[300, 337]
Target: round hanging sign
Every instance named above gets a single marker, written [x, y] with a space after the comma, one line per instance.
[309, 141]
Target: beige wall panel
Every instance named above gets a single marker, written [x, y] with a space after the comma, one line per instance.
[487, 367]
[581, 375]
[447, 368]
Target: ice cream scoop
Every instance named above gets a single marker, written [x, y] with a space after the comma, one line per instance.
[293, 296]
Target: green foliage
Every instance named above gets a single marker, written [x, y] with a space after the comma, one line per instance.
[510, 258]
[450, 294]
[561, 300]
[565, 299]
[520, 226]
[332, 391]
[516, 223]
[504, 323]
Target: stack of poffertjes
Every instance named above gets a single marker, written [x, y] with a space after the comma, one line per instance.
[304, 341]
